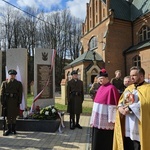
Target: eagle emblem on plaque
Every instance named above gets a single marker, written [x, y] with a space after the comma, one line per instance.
[44, 56]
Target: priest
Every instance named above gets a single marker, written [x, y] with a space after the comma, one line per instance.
[103, 113]
[132, 126]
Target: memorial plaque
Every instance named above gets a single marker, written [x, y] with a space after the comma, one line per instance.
[45, 81]
[44, 77]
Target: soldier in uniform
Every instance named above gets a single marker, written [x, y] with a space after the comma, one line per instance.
[117, 81]
[11, 97]
[75, 96]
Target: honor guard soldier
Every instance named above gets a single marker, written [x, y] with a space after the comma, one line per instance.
[75, 96]
[11, 98]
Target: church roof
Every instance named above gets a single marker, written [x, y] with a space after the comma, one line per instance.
[87, 56]
[121, 9]
[138, 46]
[129, 9]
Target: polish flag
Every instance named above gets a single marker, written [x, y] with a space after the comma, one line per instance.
[6, 70]
[18, 77]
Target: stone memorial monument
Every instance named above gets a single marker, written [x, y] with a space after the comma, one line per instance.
[44, 77]
[0, 66]
[0, 77]
[17, 59]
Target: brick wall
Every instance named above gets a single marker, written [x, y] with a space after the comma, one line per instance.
[119, 38]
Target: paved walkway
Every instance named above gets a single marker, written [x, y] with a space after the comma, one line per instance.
[78, 139]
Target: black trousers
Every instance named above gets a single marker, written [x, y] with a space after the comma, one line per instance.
[72, 116]
[11, 120]
[102, 139]
[131, 145]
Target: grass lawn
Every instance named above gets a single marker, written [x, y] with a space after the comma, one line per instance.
[86, 110]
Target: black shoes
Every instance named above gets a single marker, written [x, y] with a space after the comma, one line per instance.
[14, 128]
[11, 129]
[14, 132]
[72, 128]
[7, 133]
[72, 125]
[78, 126]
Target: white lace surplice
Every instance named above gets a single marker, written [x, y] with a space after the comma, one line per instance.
[103, 116]
[131, 125]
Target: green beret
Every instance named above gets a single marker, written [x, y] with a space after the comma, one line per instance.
[12, 71]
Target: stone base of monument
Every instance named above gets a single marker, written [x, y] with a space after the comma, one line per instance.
[35, 125]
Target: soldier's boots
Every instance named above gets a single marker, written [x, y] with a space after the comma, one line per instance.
[72, 124]
[14, 128]
[78, 126]
[77, 122]
[8, 131]
[11, 129]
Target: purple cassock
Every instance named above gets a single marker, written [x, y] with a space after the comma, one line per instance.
[103, 116]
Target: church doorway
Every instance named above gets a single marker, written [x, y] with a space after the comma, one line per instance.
[92, 78]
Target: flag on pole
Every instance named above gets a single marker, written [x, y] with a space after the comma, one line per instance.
[6, 72]
[18, 77]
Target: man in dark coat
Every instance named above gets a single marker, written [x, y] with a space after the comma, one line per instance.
[11, 98]
[117, 81]
[75, 96]
[94, 87]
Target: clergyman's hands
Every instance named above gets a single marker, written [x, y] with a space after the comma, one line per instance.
[123, 110]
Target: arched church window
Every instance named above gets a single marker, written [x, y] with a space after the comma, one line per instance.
[93, 43]
[96, 6]
[144, 33]
[137, 61]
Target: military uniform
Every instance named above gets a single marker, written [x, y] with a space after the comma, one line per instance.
[118, 83]
[11, 98]
[75, 96]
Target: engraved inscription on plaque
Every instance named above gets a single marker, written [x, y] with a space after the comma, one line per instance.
[45, 81]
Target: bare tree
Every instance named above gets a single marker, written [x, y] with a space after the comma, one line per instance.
[7, 21]
[57, 30]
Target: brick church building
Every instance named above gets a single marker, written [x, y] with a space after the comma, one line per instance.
[115, 36]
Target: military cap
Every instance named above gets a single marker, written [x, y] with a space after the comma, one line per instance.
[12, 71]
[74, 72]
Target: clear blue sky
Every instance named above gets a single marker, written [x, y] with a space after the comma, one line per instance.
[77, 7]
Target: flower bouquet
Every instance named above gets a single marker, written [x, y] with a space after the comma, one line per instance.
[47, 113]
